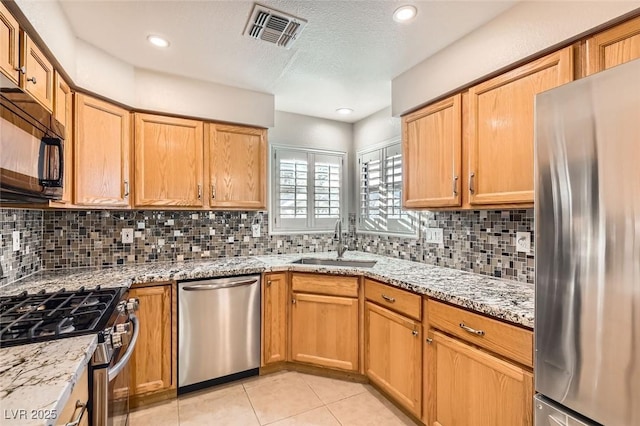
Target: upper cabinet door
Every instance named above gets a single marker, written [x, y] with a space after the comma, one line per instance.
[614, 46]
[38, 77]
[237, 167]
[101, 160]
[168, 161]
[501, 122]
[9, 45]
[63, 113]
[431, 146]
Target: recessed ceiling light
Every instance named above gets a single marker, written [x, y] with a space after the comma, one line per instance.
[344, 111]
[405, 13]
[157, 41]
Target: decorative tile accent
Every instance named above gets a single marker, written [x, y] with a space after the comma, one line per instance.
[94, 238]
[480, 241]
[25, 261]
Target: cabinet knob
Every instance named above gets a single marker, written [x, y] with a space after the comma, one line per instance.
[32, 79]
[293, 301]
[429, 340]
[414, 332]
[22, 69]
[269, 282]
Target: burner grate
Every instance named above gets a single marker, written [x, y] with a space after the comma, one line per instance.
[28, 318]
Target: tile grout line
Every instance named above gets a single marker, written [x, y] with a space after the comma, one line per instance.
[251, 404]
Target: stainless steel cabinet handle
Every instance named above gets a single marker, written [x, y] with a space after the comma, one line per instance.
[429, 340]
[126, 188]
[471, 188]
[455, 185]
[203, 287]
[22, 69]
[388, 299]
[76, 422]
[471, 330]
[32, 79]
[199, 192]
[213, 191]
[414, 332]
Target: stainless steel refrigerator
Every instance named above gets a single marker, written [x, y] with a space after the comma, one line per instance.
[587, 251]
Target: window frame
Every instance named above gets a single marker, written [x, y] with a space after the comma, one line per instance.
[380, 150]
[310, 225]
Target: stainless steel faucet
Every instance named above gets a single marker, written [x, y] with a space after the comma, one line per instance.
[341, 247]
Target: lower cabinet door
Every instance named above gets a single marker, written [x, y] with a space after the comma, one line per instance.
[151, 362]
[469, 387]
[324, 331]
[274, 318]
[393, 357]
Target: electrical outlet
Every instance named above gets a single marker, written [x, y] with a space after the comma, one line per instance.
[127, 235]
[434, 236]
[16, 240]
[523, 242]
[256, 230]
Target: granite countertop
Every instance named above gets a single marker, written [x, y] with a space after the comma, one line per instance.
[38, 378]
[44, 373]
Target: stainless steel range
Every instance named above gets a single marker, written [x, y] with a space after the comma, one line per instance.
[31, 318]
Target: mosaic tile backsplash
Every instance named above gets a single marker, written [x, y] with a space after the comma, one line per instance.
[94, 238]
[476, 241]
[26, 260]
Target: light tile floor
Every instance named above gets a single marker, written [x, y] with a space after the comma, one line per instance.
[281, 399]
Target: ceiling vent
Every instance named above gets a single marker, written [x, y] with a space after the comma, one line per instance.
[274, 26]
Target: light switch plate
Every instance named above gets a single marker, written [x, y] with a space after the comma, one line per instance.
[256, 230]
[16, 240]
[523, 242]
[127, 235]
[434, 236]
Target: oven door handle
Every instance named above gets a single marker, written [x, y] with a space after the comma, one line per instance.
[117, 368]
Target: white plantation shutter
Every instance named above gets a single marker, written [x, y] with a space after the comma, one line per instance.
[380, 173]
[307, 193]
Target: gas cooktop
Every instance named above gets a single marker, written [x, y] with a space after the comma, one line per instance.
[29, 318]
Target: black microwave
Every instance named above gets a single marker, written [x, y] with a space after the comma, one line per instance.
[31, 150]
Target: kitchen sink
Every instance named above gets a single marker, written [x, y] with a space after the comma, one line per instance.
[335, 262]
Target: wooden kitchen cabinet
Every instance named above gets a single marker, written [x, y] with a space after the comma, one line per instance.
[101, 153]
[614, 46]
[501, 129]
[237, 167]
[275, 298]
[72, 409]
[37, 80]
[169, 162]
[431, 148]
[469, 387]
[153, 363]
[63, 112]
[393, 355]
[325, 327]
[9, 45]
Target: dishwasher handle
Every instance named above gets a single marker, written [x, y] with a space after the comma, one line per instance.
[205, 287]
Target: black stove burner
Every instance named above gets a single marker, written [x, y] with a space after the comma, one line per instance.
[28, 318]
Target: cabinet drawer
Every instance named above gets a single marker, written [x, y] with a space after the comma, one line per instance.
[325, 284]
[507, 340]
[393, 298]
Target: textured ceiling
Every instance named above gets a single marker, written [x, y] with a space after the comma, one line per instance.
[346, 56]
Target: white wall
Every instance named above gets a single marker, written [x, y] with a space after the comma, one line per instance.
[97, 71]
[525, 29]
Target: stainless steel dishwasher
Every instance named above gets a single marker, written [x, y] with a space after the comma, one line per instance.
[218, 331]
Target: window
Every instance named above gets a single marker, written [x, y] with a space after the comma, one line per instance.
[380, 177]
[308, 191]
